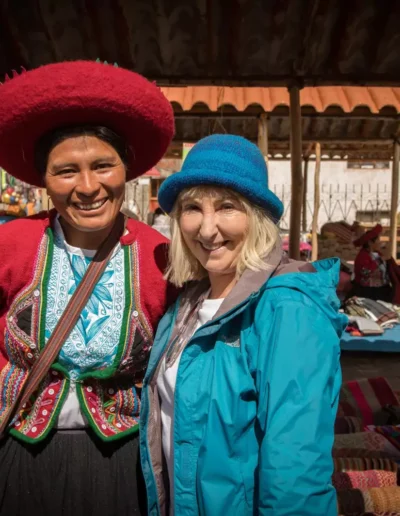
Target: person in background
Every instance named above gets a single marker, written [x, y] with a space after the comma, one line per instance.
[161, 223]
[371, 271]
[240, 396]
[81, 130]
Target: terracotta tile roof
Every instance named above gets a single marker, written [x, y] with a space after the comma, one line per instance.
[320, 98]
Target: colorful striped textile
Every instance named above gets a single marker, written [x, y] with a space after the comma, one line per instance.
[364, 479]
[391, 433]
[348, 425]
[366, 398]
[363, 464]
[365, 444]
[350, 501]
[376, 501]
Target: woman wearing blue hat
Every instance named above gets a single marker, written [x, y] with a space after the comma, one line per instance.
[240, 396]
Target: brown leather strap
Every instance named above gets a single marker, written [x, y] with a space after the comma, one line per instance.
[66, 323]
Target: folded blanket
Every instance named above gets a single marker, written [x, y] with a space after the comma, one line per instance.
[348, 425]
[364, 479]
[383, 499]
[365, 444]
[390, 432]
[363, 464]
[350, 502]
[366, 399]
[376, 500]
[365, 326]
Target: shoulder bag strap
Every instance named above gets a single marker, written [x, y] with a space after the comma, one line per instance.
[67, 322]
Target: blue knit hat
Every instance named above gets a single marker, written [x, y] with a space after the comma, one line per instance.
[228, 161]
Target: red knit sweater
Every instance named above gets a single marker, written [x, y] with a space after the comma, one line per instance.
[24, 249]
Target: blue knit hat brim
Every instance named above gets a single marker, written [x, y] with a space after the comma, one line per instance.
[173, 186]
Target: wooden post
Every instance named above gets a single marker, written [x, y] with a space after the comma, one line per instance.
[262, 139]
[45, 200]
[395, 199]
[314, 242]
[305, 181]
[297, 174]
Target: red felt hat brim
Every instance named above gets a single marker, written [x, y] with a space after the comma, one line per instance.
[368, 235]
[82, 92]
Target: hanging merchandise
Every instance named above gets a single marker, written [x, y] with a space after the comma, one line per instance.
[17, 199]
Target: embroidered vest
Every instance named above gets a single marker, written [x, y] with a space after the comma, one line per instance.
[108, 396]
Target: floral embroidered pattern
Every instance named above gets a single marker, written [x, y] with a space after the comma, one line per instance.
[93, 342]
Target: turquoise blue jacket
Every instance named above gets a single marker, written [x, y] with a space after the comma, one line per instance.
[255, 401]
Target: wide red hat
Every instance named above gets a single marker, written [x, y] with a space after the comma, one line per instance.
[82, 92]
[368, 235]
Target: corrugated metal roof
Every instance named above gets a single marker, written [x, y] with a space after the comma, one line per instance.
[348, 98]
[235, 42]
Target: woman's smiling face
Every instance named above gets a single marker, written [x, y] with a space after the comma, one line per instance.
[85, 178]
[214, 227]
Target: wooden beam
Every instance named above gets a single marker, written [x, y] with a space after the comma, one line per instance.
[297, 173]
[305, 181]
[268, 81]
[46, 201]
[394, 199]
[262, 140]
[314, 242]
[192, 114]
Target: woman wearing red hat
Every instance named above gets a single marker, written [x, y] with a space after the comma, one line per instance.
[371, 268]
[81, 289]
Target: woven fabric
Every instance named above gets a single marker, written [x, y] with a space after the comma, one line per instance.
[363, 464]
[364, 479]
[351, 501]
[348, 425]
[365, 399]
[71, 474]
[391, 433]
[228, 161]
[385, 499]
[364, 444]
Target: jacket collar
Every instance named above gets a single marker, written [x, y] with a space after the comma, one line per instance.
[251, 281]
[277, 263]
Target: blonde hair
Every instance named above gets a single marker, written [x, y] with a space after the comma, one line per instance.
[262, 236]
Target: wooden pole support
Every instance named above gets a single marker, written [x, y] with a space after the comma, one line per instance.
[297, 174]
[305, 181]
[314, 242]
[395, 199]
[46, 202]
[262, 139]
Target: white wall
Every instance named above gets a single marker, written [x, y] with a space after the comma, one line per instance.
[343, 190]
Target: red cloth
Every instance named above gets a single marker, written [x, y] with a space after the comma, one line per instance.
[368, 235]
[364, 479]
[21, 269]
[367, 271]
[394, 274]
[82, 93]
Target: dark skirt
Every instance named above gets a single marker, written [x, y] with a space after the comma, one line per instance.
[71, 474]
[384, 293]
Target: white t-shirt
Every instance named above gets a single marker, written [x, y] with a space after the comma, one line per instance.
[166, 382]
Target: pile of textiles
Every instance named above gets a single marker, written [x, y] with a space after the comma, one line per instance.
[366, 450]
[370, 401]
[368, 317]
[378, 500]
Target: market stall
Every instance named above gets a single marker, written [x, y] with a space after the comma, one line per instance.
[17, 199]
